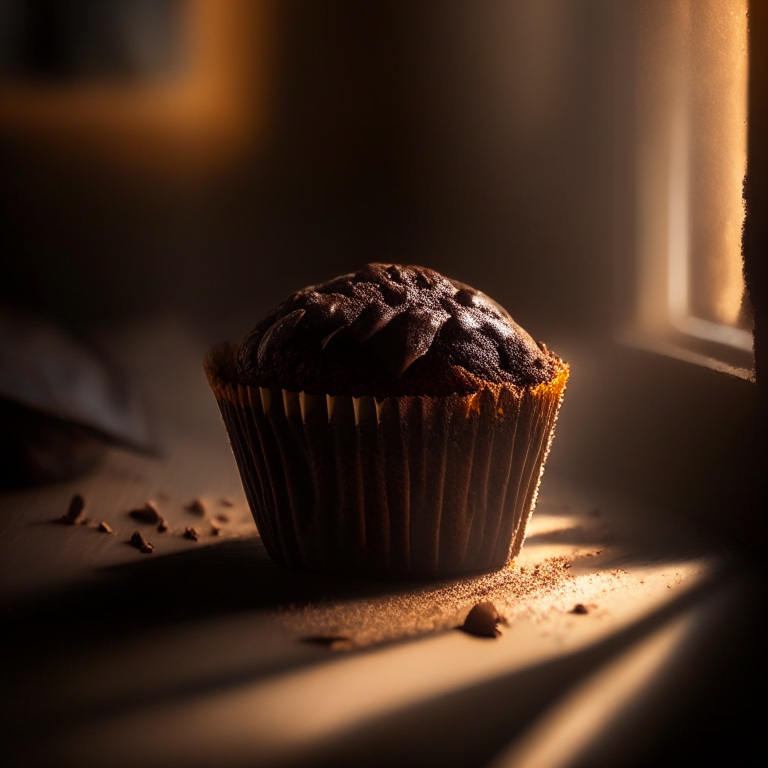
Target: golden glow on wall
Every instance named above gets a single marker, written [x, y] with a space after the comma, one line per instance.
[189, 119]
[692, 138]
[717, 136]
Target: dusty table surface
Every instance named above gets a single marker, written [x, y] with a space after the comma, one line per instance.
[206, 653]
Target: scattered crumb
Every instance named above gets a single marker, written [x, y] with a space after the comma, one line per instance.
[432, 607]
[105, 528]
[579, 608]
[483, 620]
[191, 533]
[141, 543]
[162, 526]
[196, 506]
[226, 502]
[76, 507]
[146, 514]
[334, 642]
[222, 518]
[599, 552]
[215, 528]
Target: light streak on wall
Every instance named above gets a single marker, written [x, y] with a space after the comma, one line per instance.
[692, 120]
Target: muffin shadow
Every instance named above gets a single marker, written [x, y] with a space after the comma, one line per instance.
[161, 590]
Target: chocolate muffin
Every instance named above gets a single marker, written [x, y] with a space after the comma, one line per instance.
[391, 421]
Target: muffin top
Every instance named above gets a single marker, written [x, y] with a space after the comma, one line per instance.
[390, 330]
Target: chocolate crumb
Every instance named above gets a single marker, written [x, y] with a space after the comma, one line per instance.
[225, 502]
[483, 620]
[162, 526]
[146, 514]
[141, 543]
[222, 518]
[215, 528]
[196, 506]
[191, 533]
[105, 528]
[334, 642]
[76, 507]
[579, 608]
[434, 607]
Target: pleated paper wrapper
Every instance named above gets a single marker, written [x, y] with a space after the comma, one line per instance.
[398, 487]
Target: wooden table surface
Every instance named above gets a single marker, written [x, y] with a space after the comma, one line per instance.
[198, 654]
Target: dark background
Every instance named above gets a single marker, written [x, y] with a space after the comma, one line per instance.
[488, 140]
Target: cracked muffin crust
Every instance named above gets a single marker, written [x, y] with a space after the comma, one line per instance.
[391, 330]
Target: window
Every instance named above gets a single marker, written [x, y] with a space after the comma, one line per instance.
[692, 138]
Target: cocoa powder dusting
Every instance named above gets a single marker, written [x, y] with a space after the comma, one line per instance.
[431, 608]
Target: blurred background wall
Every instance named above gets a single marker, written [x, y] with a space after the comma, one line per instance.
[486, 139]
[217, 155]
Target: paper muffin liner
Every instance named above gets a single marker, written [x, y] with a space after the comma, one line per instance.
[402, 486]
